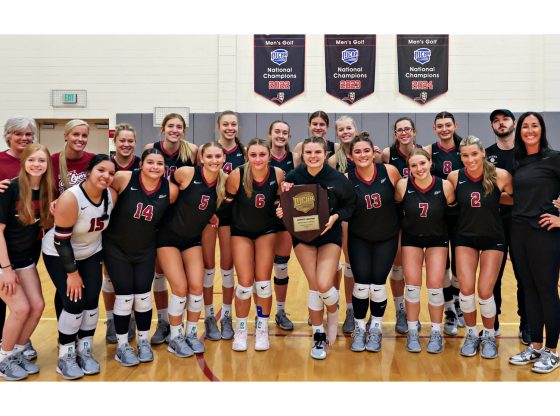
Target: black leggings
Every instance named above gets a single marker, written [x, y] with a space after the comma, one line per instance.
[537, 254]
[449, 292]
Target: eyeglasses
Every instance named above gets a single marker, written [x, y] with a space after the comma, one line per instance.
[404, 130]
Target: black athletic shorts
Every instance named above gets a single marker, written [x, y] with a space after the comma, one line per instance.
[236, 232]
[424, 241]
[333, 236]
[481, 243]
[173, 240]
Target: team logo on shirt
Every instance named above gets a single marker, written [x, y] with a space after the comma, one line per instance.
[493, 159]
[304, 201]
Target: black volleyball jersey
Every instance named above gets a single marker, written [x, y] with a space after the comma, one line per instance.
[286, 163]
[136, 216]
[256, 213]
[375, 216]
[350, 166]
[172, 161]
[444, 161]
[479, 214]
[398, 160]
[424, 209]
[193, 209]
[330, 148]
[132, 165]
[234, 159]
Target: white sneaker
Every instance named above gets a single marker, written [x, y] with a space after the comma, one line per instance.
[261, 340]
[240, 340]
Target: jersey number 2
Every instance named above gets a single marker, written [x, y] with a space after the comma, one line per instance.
[475, 199]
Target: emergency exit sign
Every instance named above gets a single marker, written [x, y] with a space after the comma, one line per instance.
[70, 98]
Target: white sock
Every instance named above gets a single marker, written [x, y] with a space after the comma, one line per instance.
[162, 314]
[471, 330]
[412, 325]
[18, 348]
[262, 323]
[318, 328]
[280, 306]
[5, 354]
[191, 327]
[360, 323]
[226, 310]
[489, 332]
[122, 339]
[176, 330]
[209, 310]
[436, 327]
[66, 348]
[86, 342]
[375, 322]
[242, 323]
[143, 335]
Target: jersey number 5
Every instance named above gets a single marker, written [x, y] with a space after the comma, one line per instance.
[204, 202]
[147, 213]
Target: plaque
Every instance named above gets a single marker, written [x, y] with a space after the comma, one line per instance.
[306, 211]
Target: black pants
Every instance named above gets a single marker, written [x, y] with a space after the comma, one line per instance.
[449, 292]
[537, 254]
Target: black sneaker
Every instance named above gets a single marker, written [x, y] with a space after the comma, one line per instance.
[524, 333]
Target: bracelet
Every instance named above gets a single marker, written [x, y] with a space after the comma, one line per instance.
[9, 265]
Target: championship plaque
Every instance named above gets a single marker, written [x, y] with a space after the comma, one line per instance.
[306, 211]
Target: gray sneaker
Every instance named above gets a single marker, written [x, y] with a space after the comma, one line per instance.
[349, 323]
[459, 312]
[227, 327]
[179, 347]
[11, 371]
[489, 348]
[400, 325]
[319, 348]
[68, 367]
[283, 321]
[435, 344]
[162, 333]
[86, 361]
[145, 353]
[547, 362]
[195, 344]
[470, 346]
[126, 356]
[111, 334]
[527, 356]
[374, 339]
[27, 365]
[29, 351]
[413, 341]
[211, 329]
[358, 340]
[450, 323]
[131, 328]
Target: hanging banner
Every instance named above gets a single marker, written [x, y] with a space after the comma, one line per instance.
[350, 66]
[279, 66]
[423, 66]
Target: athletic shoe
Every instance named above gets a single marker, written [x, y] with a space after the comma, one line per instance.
[460, 317]
[227, 327]
[374, 338]
[524, 333]
[368, 324]
[68, 367]
[358, 340]
[309, 321]
[332, 327]
[29, 352]
[10, 370]
[283, 321]
[349, 323]
[319, 348]
[435, 344]
[527, 356]
[489, 348]
[86, 361]
[195, 344]
[131, 328]
[126, 356]
[111, 334]
[145, 353]
[24, 363]
[239, 340]
[470, 346]
[211, 329]
[400, 325]
[450, 324]
[262, 342]
[547, 362]
[162, 333]
[179, 347]
[413, 341]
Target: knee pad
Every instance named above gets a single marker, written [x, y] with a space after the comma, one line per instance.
[209, 277]
[69, 323]
[89, 320]
[360, 291]
[123, 305]
[467, 303]
[143, 302]
[330, 297]
[160, 282]
[280, 271]
[176, 305]
[195, 303]
[348, 270]
[413, 294]
[435, 297]
[314, 301]
[264, 289]
[454, 281]
[227, 278]
[107, 285]
[487, 307]
[447, 278]
[396, 274]
[378, 293]
[243, 293]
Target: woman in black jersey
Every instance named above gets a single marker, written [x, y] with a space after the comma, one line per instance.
[24, 212]
[480, 239]
[319, 258]
[424, 240]
[252, 189]
[129, 250]
[318, 125]
[535, 237]
[179, 240]
[373, 233]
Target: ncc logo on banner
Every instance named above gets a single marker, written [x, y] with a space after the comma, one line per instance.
[423, 66]
[350, 66]
[279, 66]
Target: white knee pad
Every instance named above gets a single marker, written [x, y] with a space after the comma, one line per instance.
[107, 285]
[413, 294]
[330, 297]
[447, 278]
[160, 282]
[467, 303]
[209, 277]
[360, 291]
[264, 289]
[378, 293]
[348, 271]
[89, 320]
[280, 271]
[435, 297]
[123, 305]
[143, 302]
[227, 278]
[243, 293]
[69, 323]
[396, 274]
[176, 305]
[195, 303]
[454, 281]
[314, 301]
[487, 307]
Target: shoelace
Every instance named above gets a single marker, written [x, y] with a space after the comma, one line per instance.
[376, 335]
[435, 336]
[319, 341]
[70, 360]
